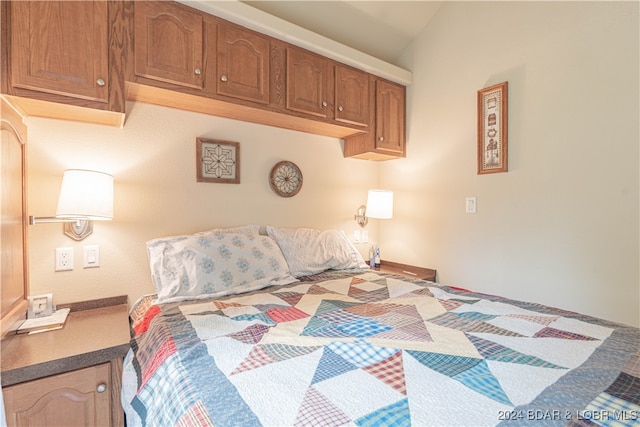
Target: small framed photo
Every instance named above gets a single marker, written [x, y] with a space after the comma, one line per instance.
[217, 161]
[492, 129]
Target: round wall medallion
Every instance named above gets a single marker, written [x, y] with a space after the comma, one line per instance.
[285, 179]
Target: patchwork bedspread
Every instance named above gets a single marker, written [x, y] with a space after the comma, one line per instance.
[372, 349]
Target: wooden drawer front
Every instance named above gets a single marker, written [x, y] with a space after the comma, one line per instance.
[69, 399]
[168, 43]
[61, 47]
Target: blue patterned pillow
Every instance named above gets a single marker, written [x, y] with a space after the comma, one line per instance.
[215, 264]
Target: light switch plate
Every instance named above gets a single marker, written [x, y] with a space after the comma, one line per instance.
[471, 206]
[91, 256]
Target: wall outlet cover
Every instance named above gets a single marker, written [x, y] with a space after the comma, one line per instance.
[64, 259]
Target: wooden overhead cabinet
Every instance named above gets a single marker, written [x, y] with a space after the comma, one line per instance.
[243, 64]
[386, 138]
[59, 52]
[352, 96]
[308, 83]
[169, 43]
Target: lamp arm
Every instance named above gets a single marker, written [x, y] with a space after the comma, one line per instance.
[47, 219]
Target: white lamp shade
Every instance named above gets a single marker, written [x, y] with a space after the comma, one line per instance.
[86, 194]
[380, 204]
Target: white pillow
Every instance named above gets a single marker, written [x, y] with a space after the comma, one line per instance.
[309, 251]
[214, 264]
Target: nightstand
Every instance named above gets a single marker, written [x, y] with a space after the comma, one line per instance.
[406, 270]
[69, 376]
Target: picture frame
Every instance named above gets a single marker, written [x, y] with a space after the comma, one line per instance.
[492, 129]
[217, 161]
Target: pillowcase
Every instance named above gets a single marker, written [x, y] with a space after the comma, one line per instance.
[251, 229]
[214, 264]
[310, 251]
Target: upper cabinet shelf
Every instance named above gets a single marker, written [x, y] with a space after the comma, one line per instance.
[169, 54]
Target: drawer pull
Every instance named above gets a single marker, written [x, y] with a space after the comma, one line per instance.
[197, 71]
[101, 388]
[100, 82]
[223, 78]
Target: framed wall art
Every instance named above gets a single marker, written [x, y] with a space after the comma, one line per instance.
[492, 129]
[217, 161]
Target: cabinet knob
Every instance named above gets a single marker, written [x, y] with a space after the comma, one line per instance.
[100, 82]
[340, 108]
[224, 78]
[381, 138]
[197, 71]
[324, 103]
[101, 388]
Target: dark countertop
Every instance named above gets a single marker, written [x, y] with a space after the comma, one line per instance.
[90, 336]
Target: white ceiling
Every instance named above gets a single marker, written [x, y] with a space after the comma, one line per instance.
[382, 29]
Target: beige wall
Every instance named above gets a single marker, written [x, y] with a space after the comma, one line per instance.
[561, 227]
[156, 194]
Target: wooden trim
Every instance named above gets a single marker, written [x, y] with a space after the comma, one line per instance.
[200, 104]
[408, 270]
[54, 110]
[95, 303]
[12, 121]
[117, 412]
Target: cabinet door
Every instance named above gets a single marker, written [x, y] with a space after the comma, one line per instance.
[307, 82]
[390, 117]
[243, 64]
[352, 96]
[78, 398]
[168, 43]
[60, 47]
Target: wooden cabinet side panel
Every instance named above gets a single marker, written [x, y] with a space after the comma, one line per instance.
[277, 85]
[70, 399]
[243, 64]
[60, 47]
[168, 43]
[120, 51]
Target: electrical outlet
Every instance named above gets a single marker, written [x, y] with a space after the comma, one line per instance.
[64, 259]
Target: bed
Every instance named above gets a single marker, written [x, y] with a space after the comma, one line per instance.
[331, 342]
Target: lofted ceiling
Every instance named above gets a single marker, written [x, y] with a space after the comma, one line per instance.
[382, 29]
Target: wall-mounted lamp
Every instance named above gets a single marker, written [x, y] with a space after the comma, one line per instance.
[84, 196]
[379, 205]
